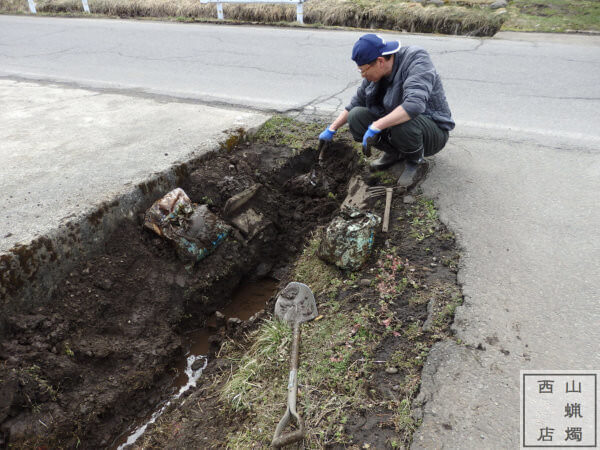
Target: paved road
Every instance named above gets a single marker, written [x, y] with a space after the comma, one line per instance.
[524, 84]
[518, 182]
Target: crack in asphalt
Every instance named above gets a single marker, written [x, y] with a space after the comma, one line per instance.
[546, 56]
[594, 99]
[166, 59]
[502, 83]
[468, 50]
[31, 38]
[322, 99]
[503, 140]
[488, 53]
[35, 55]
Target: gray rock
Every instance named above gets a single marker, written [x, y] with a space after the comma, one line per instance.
[233, 323]
[84, 408]
[365, 282]
[220, 319]
[429, 322]
[437, 2]
[499, 4]
[391, 370]
[262, 270]
[214, 341]
[256, 316]
[408, 199]
[198, 364]
[180, 280]
[104, 284]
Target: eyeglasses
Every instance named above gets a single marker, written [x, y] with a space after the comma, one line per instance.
[366, 69]
[368, 66]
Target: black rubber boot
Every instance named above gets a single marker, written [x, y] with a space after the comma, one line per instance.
[414, 171]
[386, 160]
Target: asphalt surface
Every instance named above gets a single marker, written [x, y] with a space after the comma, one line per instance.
[518, 85]
[65, 151]
[518, 181]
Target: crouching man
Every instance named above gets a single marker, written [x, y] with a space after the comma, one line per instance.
[400, 107]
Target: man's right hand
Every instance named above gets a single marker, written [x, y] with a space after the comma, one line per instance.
[325, 138]
[327, 135]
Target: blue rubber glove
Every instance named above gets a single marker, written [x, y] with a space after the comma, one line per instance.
[369, 138]
[327, 135]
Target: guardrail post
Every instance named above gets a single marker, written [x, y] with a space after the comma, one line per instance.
[86, 7]
[32, 7]
[220, 16]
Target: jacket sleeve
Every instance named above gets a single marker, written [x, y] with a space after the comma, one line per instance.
[418, 84]
[360, 98]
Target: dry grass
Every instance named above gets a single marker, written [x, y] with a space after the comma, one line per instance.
[337, 355]
[411, 17]
[337, 351]
[469, 17]
[14, 6]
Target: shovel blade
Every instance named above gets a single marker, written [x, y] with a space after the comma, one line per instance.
[296, 304]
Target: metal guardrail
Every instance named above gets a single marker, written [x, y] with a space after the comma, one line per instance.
[299, 7]
[32, 9]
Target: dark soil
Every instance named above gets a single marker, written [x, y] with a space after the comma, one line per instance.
[430, 261]
[79, 370]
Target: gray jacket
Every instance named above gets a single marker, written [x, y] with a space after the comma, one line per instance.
[414, 83]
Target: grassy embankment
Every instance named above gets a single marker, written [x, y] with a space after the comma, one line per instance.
[470, 17]
[467, 17]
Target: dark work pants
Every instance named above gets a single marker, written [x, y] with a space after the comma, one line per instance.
[414, 139]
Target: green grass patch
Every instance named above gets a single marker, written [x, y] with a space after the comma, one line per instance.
[285, 131]
[553, 15]
[335, 361]
[423, 219]
[383, 177]
[324, 279]
[336, 354]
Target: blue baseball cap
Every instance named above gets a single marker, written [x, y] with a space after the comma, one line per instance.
[370, 47]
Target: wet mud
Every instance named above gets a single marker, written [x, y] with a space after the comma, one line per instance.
[85, 367]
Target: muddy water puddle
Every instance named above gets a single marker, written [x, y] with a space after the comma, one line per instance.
[250, 298]
[247, 300]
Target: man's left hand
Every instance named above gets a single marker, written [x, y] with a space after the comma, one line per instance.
[369, 139]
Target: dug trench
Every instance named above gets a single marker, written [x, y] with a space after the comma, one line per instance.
[101, 353]
[91, 365]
